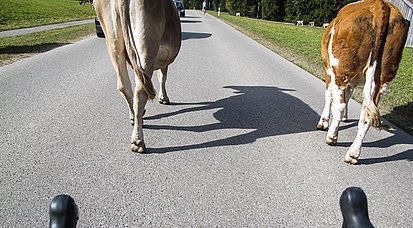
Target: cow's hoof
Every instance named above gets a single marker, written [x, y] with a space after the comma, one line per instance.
[331, 140]
[350, 160]
[352, 156]
[323, 125]
[164, 101]
[138, 146]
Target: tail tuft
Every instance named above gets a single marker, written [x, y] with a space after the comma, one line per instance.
[132, 51]
[148, 86]
[373, 114]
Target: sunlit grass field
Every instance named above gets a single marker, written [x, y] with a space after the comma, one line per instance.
[301, 45]
[28, 13]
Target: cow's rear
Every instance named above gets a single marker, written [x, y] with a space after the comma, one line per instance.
[363, 44]
[147, 35]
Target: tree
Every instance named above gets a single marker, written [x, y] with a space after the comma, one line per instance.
[247, 8]
[319, 11]
[233, 6]
[219, 3]
[273, 10]
[190, 4]
[295, 9]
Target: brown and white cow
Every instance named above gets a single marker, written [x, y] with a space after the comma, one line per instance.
[147, 35]
[363, 44]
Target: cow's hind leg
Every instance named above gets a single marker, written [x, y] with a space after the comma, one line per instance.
[369, 115]
[123, 81]
[325, 115]
[137, 140]
[124, 85]
[162, 76]
[337, 110]
[348, 94]
[363, 126]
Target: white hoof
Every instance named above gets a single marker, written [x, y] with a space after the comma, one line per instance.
[164, 101]
[138, 146]
[323, 124]
[331, 140]
[350, 160]
[352, 156]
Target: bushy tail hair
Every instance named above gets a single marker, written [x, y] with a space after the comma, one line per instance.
[381, 15]
[131, 50]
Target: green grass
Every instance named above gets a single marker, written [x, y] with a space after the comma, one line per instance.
[398, 103]
[28, 13]
[301, 45]
[14, 48]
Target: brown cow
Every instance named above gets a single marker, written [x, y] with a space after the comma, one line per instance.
[147, 35]
[363, 44]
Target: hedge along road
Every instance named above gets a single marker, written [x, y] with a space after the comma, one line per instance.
[237, 147]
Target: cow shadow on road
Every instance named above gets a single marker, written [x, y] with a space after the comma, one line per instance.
[40, 48]
[263, 111]
[194, 35]
[190, 21]
[406, 155]
[398, 138]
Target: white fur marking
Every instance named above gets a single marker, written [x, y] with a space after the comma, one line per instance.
[327, 106]
[336, 92]
[369, 85]
[333, 61]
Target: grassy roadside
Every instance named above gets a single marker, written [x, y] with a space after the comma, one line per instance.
[301, 45]
[18, 47]
[29, 13]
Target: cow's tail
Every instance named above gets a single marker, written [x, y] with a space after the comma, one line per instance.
[381, 15]
[131, 50]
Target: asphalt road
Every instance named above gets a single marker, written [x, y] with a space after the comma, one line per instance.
[17, 32]
[237, 147]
